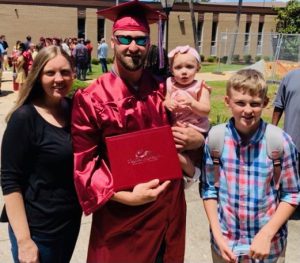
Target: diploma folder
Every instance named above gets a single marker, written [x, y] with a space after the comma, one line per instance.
[141, 156]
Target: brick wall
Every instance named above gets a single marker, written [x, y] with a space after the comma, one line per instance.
[18, 21]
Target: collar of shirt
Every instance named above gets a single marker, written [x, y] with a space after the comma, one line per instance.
[256, 137]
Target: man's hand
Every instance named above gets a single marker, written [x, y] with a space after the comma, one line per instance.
[141, 194]
[186, 138]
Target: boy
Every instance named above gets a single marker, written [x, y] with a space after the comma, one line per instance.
[246, 211]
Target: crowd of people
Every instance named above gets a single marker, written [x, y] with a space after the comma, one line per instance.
[62, 167]
[23, 53]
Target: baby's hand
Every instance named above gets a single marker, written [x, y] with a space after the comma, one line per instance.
[171, 105]
[184, 101]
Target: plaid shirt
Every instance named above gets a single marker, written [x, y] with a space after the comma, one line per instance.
[247, 197]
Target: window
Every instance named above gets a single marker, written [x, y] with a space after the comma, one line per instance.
[81, 28]
[260, 33]
[81, 14]
[260, 38]
[100, 27]
[199, 32]
[214, 31]
[247, 34]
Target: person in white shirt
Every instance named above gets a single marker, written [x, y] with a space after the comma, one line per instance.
[102, 55]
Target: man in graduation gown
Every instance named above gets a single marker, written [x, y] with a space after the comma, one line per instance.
[146, 224]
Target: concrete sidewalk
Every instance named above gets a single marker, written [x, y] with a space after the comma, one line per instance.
[197, 238]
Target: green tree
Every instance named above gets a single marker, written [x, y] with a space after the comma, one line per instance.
[288, 22]
[288, 18]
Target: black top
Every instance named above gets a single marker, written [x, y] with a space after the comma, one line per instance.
[4, 45]
[37, 158]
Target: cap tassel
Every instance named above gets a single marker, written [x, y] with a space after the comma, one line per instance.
[161, 27]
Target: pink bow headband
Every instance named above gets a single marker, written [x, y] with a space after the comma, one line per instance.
[183, 50]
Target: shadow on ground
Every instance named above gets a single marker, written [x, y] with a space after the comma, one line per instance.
[5, 93]
[296, 215]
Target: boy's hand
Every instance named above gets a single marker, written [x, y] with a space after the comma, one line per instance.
[261, 245]
[226, 253]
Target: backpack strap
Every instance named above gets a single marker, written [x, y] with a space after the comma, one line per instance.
[215, 144]
[274, 140]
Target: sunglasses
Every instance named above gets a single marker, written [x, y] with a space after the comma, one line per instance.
[126, 40]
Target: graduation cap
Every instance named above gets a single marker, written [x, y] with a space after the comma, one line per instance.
[132, 16]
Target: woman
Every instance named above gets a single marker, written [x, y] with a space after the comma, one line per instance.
[14, 57]
[37, 166]
[20, 66]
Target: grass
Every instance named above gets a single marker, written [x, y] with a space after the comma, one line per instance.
[96, 71]
[214, 67]
[77, 84]
[219, 112]
[206, 67]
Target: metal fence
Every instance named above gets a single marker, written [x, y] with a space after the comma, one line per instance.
[272, 53]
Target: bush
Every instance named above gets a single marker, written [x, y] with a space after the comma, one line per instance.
[236, 58]
[219, 119]
[109, 60]
[211, 59]
[202, 57]
[224, 59]
[267, 58]
[77, 84]
[95, 61]
[247, 59]
[257, 58]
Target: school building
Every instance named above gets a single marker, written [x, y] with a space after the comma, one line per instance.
[78, 18]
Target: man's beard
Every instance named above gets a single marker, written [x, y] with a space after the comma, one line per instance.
[131, 63]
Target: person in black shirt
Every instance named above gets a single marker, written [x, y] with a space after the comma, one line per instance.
[4, 44]
[41, 205]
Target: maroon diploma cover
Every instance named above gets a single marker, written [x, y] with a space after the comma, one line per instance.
[141, 156]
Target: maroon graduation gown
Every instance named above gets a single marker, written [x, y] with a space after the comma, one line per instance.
[122, 233]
